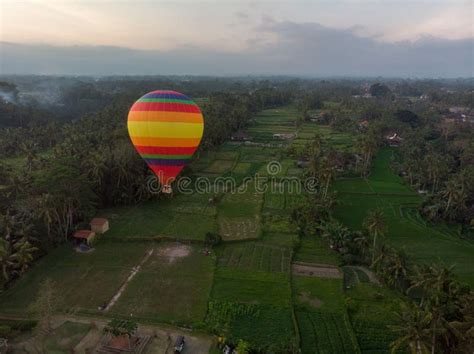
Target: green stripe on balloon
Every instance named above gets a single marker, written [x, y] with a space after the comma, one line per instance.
[166, 100]
[166, 157]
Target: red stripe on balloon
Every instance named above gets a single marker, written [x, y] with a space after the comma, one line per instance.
[172, 150]
[165, 107]
[166, 174]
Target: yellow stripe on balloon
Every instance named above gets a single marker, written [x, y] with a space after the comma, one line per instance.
[165, 142]
[162, 116]
[165, 129]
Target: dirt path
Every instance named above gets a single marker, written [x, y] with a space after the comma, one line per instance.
[316, 270]
[370, 274]
[134, 272]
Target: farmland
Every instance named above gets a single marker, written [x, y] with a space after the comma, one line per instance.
[406, 228]
[244, 288]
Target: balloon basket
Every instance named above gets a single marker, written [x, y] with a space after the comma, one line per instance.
[167, 189]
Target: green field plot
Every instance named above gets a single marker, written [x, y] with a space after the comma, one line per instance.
[352, 185]
[255, 255]
[321, 315]
[242, 168]
[189, 226]
[239, 213]
[406, 229]
[219, 167]
[233, 284]
[371, 309]
[277, 222]
[319, 293]
[268, 329]
[226, 155]
[144, 220]
[323, 332]
[381, 170]
[245, 201]
[294, 198]
[294, 172]
[353, 208]
[239, 228]
[316, 250]
[65, 337]
[196, 205]
[280, 239]
[172, 286]
[85, 281]
[274, 198]
[338, 140]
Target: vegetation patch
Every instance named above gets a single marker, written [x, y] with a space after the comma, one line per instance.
[172, 286]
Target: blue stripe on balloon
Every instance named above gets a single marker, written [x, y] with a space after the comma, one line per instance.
[166, 95]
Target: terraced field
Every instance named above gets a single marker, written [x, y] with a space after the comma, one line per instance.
[406, 229]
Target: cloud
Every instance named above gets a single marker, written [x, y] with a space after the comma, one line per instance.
[281, 47]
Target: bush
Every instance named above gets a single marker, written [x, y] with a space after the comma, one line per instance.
[19, 325]
[212, 239]
[5, 330]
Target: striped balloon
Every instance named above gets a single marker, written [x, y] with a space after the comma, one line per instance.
[166, 128]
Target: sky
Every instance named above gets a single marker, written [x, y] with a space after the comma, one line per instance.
[222, 37]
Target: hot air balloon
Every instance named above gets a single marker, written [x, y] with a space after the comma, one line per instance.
[166, 128]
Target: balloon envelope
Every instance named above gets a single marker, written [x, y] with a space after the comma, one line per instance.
[166, 128]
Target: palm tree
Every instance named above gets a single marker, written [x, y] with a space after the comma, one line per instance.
[46, 211]
[5, 259]
[397, 269]
[455, 195]
[375, 225]
[23, 255]
[413, 329]
[335, 232]
[362, 243]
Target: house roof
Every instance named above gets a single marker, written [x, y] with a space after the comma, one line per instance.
[99, 221]
[83, 233]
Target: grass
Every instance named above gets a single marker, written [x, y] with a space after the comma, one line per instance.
[406, 229]
[189, 226]
[238, 285]
[316, 250]
[325, 291]
[173, 291]
[84, 281]
[323, 332]
[321, 314]
[145, 220]
[257, 256]
[371, 309]
[64, 338]
[220, 166]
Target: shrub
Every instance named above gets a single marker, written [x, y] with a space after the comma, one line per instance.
[5, 330]
[212, 239]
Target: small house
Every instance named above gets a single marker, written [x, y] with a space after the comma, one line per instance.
[84, 236]
[99, 225]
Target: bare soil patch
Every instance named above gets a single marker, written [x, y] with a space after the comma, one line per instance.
[306, 297]
[174, 252]
[316, 270]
